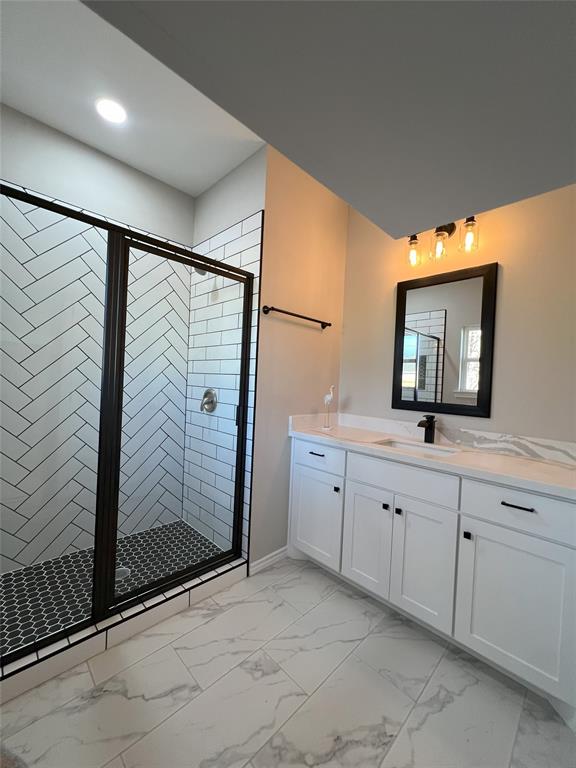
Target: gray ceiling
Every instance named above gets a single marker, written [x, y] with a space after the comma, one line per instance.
[416, 113]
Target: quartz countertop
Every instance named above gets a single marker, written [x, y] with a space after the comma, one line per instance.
[540, 476]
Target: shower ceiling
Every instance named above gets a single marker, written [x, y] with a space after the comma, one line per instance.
[59, 58]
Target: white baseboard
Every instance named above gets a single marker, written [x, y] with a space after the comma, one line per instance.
[267, 560]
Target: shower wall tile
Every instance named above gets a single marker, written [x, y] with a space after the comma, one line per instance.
[214, 361]
[154, 405]
[52, 316]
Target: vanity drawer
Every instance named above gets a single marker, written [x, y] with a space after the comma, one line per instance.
[539, 515]
[424, 484]
[320, 456]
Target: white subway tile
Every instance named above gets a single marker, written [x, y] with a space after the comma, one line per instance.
[208, 312]
[227, 486]
[226, 455]
[207, 366]
[223, 352]
[252, 222]
[207, 339]
[226, 323]
[218, 467]
[202, 248]
[196, 353]
[242, 243]
[226, 236]
[218, 438]
[230, 366]
[232, 337]
[232, 307]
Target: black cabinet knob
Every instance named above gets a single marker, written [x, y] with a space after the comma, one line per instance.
[467, 535]
[398, 511]
[336, 489]
[385, 506]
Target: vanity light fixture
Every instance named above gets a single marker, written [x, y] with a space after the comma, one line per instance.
[413, 251]
[111, 110]
[439, 239]
[469, 235]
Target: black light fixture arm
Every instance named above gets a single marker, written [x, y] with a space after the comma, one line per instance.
[322, 323]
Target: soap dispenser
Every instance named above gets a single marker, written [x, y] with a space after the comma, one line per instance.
[328, 400]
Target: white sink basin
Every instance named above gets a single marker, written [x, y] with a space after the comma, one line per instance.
[421, 448]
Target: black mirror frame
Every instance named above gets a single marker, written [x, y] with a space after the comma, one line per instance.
[489, 273]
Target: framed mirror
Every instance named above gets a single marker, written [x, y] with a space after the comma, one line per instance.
[444, 342]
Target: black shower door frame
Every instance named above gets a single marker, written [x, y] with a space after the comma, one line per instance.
[120, 240]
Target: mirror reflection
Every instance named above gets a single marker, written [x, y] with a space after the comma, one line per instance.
[442, 341]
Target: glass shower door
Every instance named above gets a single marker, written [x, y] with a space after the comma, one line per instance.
[51, 350]
[179, 507]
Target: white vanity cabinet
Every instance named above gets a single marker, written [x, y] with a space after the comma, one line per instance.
[424, 561]
[367, 537]
[316, 502]
[493, 566]
[516, 597]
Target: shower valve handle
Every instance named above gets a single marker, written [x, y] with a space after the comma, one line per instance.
[209, 401]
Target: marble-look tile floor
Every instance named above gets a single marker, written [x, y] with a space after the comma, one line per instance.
[290, 667]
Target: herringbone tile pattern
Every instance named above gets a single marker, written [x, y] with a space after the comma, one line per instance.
[51, 313]
[154, 406]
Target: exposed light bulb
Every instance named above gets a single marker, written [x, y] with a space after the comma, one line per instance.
[439, 250]
[469, 235]
[111, 110]
[413, 251]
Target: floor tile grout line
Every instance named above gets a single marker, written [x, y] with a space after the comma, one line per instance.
[428, 676]
[187, 703]
[266, 586]
[413, 707]
[517, 729]
[105, 680]
[165, 719]
[260, 649]
[90, 671]
[137, 634]
[119, 754]
[309, 695]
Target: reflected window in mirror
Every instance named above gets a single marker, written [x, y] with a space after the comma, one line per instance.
[444, 340]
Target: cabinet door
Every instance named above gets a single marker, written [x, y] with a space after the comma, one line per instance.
[516, 604]
[367, 537]
[316, 514]
[424, 561]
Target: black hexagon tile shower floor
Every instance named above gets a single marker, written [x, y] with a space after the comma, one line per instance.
[41, 600]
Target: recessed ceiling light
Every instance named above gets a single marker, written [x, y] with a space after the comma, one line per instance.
[111, 110]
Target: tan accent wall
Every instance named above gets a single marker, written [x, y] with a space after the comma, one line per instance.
[534, 383]
[303, 271]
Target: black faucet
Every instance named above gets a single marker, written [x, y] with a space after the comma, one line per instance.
[429, 424]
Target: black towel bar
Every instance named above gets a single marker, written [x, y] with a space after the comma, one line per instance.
[322, 323]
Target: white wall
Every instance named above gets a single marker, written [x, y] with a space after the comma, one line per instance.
[36, 156]
[534, 378]
[235, 197]
[302, 270]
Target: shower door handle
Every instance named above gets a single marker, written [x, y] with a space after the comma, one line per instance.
[209, 401]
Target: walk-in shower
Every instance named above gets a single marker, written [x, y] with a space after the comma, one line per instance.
[115, 482]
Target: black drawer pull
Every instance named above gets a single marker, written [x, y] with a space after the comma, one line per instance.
[336, 489]
[467, 535]
[398, 511]
[385, 506]
[321, 455]
[517, 506]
